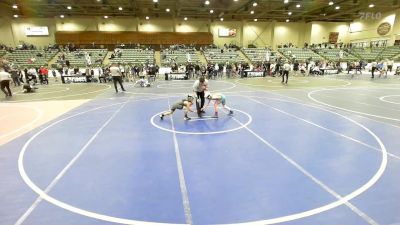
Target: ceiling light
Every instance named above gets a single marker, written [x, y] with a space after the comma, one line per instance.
[371, 5]
[105, 17]
[330, 3]
[289, 13]
[69, 7]
[235, 0]
[167, 10]
[286, 1]
[15, 16]
[287, 20]
[155, 1]
[211, 11]
[120, 8]
[185, 18]
[251, 12]
[222, 19]
[337, 7]
[147, 18]
[298, 5]
[62, 16]
[207, 2]
[15, 6]
[255, 4]
[255, 20]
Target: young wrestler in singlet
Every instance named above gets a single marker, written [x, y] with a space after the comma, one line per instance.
[184, 104]
[218, 99]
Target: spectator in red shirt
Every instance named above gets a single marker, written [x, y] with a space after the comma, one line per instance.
[43, 75]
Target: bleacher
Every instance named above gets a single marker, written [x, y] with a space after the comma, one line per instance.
[377, 53]
[216, 55]
[29, 58]
[3, 52]
[390, 52]
[180, 56]
[334, 54]
[77, 58]
[135, 56]
[258, 55]
[299, 54]
[366, 53]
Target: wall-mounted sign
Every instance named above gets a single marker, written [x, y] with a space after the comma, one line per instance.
[224, 32]
[37, 31]
[333, 37]
[384, 28]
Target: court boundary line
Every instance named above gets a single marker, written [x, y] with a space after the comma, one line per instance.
[202, 118]
[319, 126]
[54, 182]
[361, 103]
[347, 83]
[245, 96]
[341, 200]
[36, 93]
[386, 96]
[272, 81]
[203, 133]
[64, 96]
[181, 175]
[300, 101]
[63, 205]
[191, 82]
[382, 122]
[344, 109]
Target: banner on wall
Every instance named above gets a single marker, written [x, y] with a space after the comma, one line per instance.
[36, 31]
[333, 37]
[384, 28]
[225, 32]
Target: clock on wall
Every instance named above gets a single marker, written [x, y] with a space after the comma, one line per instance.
[384, 28]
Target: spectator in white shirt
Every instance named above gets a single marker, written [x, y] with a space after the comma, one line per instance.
[286, 69]
[32, 75]
[117, 76]
[5, 79]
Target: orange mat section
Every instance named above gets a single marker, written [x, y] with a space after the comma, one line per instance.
[18, 118]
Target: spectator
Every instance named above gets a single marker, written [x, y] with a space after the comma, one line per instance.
[117, 76]
[15, 76]
[5, 79]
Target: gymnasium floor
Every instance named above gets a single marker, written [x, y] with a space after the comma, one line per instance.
[319, 151]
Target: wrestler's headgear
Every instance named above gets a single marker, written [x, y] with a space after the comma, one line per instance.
[190, 98]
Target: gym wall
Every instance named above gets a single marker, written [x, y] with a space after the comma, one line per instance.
[261, 33]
